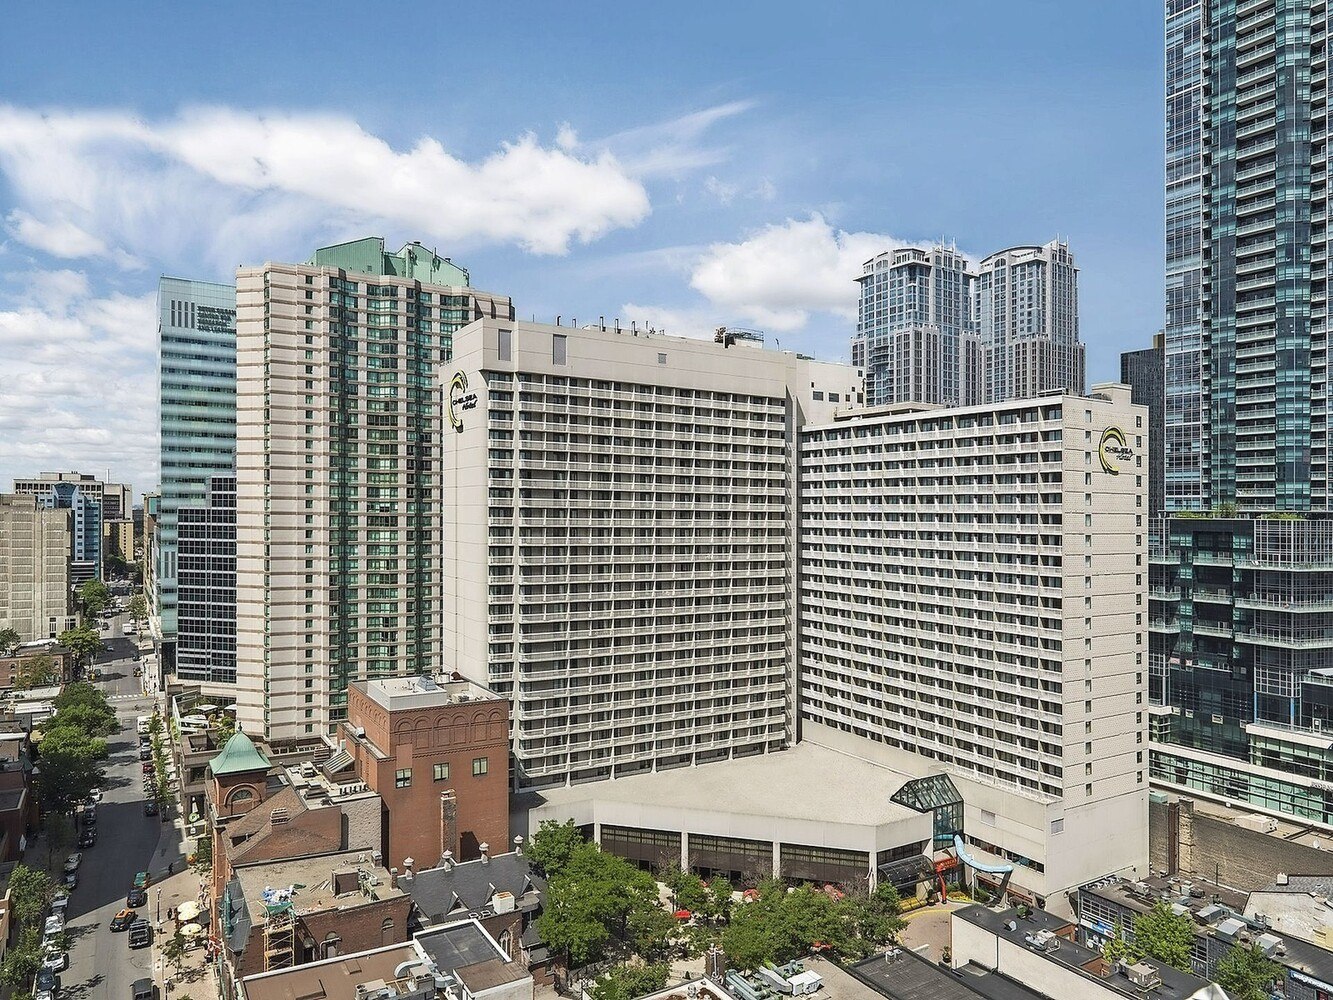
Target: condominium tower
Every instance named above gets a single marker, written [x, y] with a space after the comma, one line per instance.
[1246, 194]
[1026, 314]
[36, 597]
[914, 331]
[337, 495]
[619, 540]
[196, 332]
[206, 588]
[972, 602]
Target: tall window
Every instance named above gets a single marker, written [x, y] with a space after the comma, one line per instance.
[441, 772]
[480, 766]
[559, 352]
[403, 778]
[506, 352]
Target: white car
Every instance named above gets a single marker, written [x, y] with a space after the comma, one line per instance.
[55, 960]
[73, 861]
[54, 925]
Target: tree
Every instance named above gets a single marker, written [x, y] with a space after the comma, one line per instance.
[82, 693]
[30, 890]
[1247, 973]
[1117, 948]
[94, 596]
[747, 944]
[552, 847]
[626, 982]
[70, 766]
[174, 950]
[226, 728]
[1165, 936]
[23, 959]
[59, 835]
[597, 903]
[138, 610]
[721, 890]
[83, 641]
[9, 641]
[687, 889]
[878, 916]
[36, 671]
[86, 719]
[780, 925]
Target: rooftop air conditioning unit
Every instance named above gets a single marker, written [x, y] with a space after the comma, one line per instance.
[1144, 976]
[503, 902]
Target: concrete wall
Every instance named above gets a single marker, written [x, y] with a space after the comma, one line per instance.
[1243, 859]
[975, 944]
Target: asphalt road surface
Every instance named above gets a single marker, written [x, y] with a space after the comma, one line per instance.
[102, 965]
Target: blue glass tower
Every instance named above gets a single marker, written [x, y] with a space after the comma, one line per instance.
[197, 383]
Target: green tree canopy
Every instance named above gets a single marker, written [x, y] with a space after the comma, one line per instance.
[552, 847]
[30, 890]
[877, 917]
[688, 889]
[36, 671]
[82, 693]
[1165, 936]
[23, 959]
[138, 609]
[83, 641]
[626, 982]
[9, 640]
[69, 763]
[86, 718]
[597, 904]
[721, 890]
[94, 596]
[780, 925]
[1247, 973]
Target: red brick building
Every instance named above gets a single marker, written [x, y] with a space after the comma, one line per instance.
[437, 753]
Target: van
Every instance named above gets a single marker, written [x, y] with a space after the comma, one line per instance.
[145, 721]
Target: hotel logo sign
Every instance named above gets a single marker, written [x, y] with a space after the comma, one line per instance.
[460, 400]
[1113, 450]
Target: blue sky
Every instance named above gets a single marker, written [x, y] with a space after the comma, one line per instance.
[688, 165]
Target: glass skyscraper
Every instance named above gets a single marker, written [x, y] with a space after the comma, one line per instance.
[1246, 191]
[197, 385]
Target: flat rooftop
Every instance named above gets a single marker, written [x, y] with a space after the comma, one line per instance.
[904, 975]
[317, 875]
[1175, 985]
[807, 782]
[399, 693]
[332, 979]
[465, 949]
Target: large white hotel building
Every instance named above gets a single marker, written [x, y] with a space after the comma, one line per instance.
[618, 545]
[972, 602]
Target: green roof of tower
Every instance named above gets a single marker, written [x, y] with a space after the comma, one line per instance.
[239, 755]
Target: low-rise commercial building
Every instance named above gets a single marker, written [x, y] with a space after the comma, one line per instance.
[1039, 950]
[437, 754]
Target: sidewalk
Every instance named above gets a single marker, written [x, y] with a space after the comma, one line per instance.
[195, 977]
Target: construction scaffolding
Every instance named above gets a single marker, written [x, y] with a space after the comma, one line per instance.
[279, 928]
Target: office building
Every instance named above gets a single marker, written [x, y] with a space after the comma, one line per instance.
[36, 592]
[337, 544]
[972, 602]
[89, 500]
[619, 533]
[914, 333]
[1145, 373]
[1246, 186]
[206, 588]
[1026, 315]
[196, 332]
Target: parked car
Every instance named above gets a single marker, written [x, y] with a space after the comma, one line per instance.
[145, 753]
[136, 898]
[141, 934]
[123, 919]
[142, 880]
[73, 861]
[143, 989]
[54, 925]
[59, 905]
[71, 881]
[46, 981]
[150, 808]
[55, 960]
[88, 837]
[95, 795]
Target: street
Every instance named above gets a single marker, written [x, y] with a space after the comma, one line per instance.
[101, 962]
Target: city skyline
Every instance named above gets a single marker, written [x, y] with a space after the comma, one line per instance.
[687, 205]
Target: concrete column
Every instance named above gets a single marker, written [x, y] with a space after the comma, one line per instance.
[596, 832]
[684, 851]
[777, 859]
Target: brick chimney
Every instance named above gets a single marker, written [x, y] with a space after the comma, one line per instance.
[449, 821]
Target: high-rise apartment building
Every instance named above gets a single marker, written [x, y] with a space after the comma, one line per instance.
[1246, 332]
[1026, 314]
[196, 333]
[91, 503]
[619, 540]
[973, 602]
[337, 544]
[36, 591]
[914, 331]
[206, 588]
[1145, 373]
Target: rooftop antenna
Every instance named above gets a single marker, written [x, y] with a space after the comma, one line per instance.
[557, 319]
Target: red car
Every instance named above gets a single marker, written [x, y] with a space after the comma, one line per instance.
[148, 767]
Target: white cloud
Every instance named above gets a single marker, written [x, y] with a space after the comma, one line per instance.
[781, 274]
[78, 388]
[677, 322]
[217, 182]
[672, 147]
